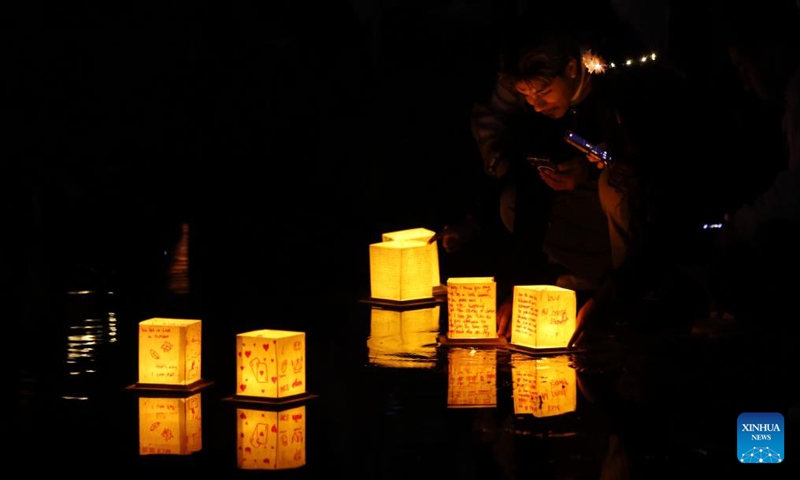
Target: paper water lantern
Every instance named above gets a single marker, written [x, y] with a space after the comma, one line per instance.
[403, 270]
[472, 378]
[543, 386]
[403, 338]
[471, 308]
[170, 425]
[270, 364]
[543, 316]
[169, 351]
[271, 440]
[421, 235]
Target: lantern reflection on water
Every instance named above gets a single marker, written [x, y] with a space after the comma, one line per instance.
[472, 378]
[271, 439]
[543, 386]
[170, 425]
[403, 338]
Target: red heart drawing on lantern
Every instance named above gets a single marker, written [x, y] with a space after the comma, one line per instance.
[274, 428]
[243, 416]
[266, 346]
[247, 449]
[243, 387]
[274, 379]
[247, 353]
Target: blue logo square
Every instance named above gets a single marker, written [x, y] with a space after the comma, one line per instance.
[760, 437]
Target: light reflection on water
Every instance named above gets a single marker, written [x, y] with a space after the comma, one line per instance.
[90, 327]
[403, 338]
[543, 386]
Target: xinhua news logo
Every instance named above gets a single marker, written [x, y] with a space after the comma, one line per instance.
[760, 437]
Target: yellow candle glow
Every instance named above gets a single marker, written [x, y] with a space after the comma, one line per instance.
[271, 440]
[472, 378]
[170, 351]
[543, 316]
[270, 364]
[545, 386]
[170, 426]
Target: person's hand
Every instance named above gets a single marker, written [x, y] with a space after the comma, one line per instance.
[566, 174]
[581, 321]
[504, 318]
[596, 160]
[454, 237]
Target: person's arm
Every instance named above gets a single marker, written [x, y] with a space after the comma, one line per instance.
[490, 123]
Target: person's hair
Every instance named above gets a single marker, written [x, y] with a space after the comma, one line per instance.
[540, 57]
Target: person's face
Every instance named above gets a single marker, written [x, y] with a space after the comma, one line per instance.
[549, 98]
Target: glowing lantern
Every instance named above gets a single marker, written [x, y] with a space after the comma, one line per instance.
[169, 351]
[543, 316]
[472, 378]
[170, 425]
[271, 440]
[404, 267]
[403, 338]
[420, 235]
[270, 364]
[543, 386]
[471, 308]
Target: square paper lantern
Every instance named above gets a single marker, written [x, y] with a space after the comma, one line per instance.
[472, 378]
[403, 338]
[271, 440]
[543, 386]
[169, 351]
[543, 316]
[270, 364]
[421, 235]
[401, 270]
[170, 425]
[471, 308]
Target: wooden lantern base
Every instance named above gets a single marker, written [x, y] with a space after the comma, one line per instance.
[444, 341]
[167, 390]
[242, 400]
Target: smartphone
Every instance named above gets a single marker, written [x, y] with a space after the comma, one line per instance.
[542, 163]
[581, 144]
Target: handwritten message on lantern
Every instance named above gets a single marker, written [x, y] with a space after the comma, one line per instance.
[169, 351]
[402, 270]
[270, 363]
[472, 307]
[543, 316]
[170, 425]
[472, 378]
[270, 440]
[421, 235]
[544, 387]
